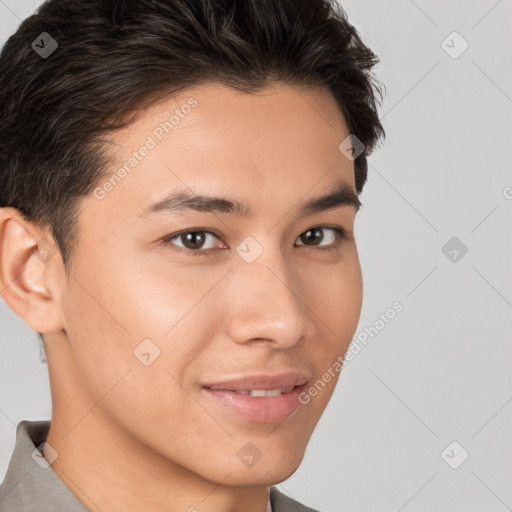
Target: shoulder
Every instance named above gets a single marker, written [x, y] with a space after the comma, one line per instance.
[282, 503]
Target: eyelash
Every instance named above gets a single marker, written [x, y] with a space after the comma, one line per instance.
[341, 235]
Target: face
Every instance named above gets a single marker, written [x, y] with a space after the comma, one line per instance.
[173, 312]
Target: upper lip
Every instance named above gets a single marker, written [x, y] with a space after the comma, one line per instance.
[261, 381]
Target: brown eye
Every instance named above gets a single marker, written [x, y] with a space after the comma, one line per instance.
[193, 241]
[314, 236]
[200, 242]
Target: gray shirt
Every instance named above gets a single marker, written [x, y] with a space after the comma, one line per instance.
[32, 485]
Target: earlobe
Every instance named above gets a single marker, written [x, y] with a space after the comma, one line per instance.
[25, 280]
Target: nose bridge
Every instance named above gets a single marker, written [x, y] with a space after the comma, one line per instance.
[266, 299]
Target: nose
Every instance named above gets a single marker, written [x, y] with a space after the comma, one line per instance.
[266, 302]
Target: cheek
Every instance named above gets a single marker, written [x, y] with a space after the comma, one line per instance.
[337, 301]
[349, 296]
[336, 298]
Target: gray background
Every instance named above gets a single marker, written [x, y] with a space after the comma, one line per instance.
[440, 370]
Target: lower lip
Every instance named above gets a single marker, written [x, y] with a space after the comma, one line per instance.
[264, 409]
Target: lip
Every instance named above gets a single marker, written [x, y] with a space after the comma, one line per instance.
[262, 409]
[261, 381]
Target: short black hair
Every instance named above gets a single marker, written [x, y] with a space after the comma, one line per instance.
[117, 57]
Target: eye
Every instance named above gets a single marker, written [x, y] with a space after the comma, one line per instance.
[193, 241]
[200, 241]
[315, 236]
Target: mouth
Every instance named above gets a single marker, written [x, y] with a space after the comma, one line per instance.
[284, 382]
[264, 392]
[263, 399]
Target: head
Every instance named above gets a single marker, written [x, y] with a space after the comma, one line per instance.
[248, 102]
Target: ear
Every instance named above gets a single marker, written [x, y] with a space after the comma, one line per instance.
[29, 265]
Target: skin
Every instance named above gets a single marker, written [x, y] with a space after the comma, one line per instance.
[132, 437]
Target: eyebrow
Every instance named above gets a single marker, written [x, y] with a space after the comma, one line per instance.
[342, 195]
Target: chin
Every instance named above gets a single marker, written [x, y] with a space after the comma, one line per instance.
[269, 470]
[265, 476]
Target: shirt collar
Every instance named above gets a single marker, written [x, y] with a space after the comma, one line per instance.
[29, 478]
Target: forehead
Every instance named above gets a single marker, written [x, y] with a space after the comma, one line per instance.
[282, 140]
